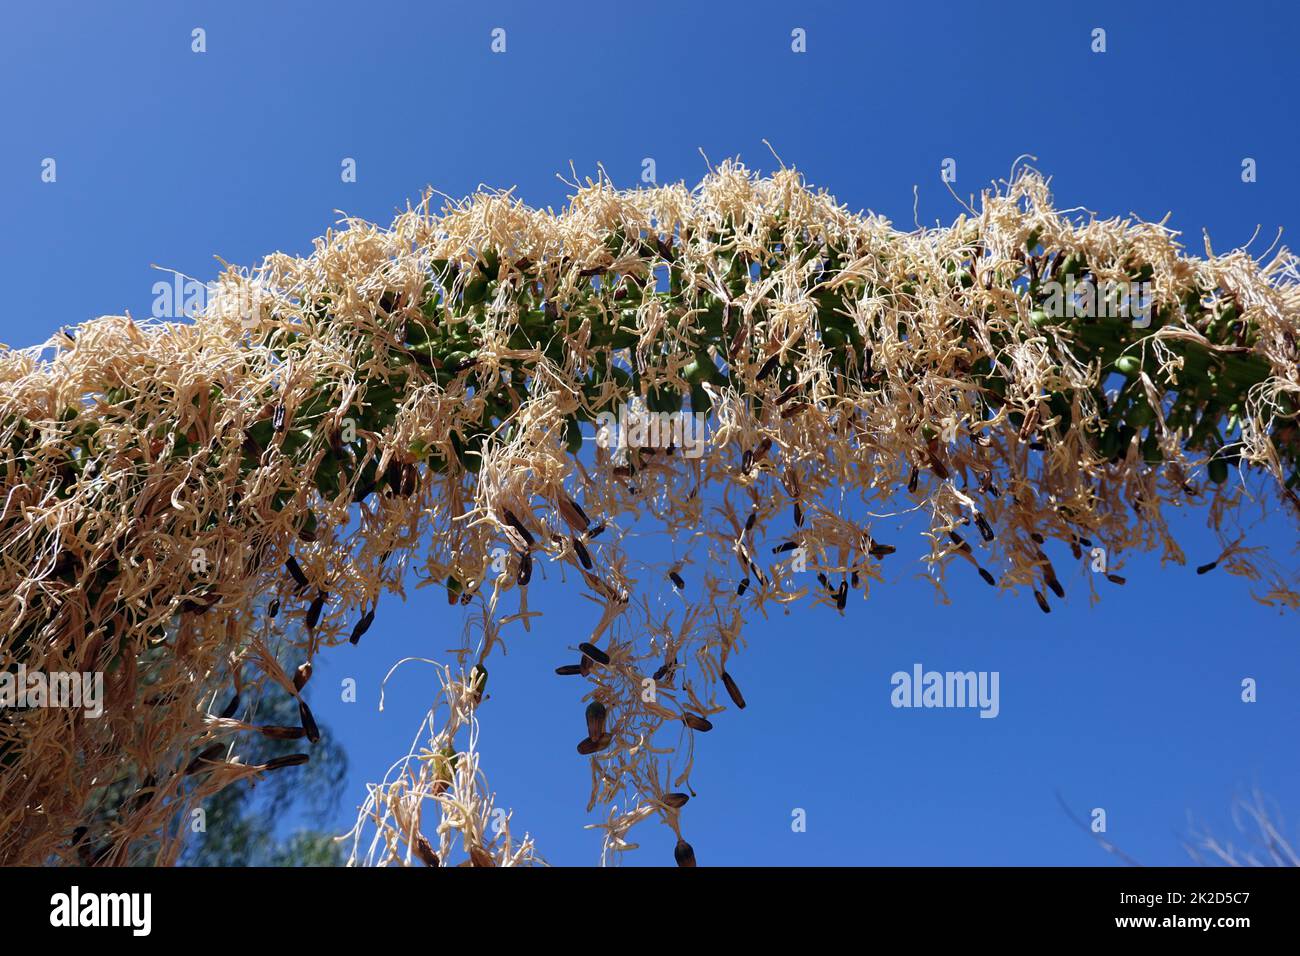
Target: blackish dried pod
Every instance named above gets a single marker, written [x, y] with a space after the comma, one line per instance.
[277, 732]
[842, 595]
[1116, 579]
[587, 746]
[856, 581]
[301, 675]
[912, 480]
[308, 721]
[314, 609]
[596, 531]
[959, 541]
[274, 609]
[525, 569]
[289, 760]
[747, 460]
[674, 800]
[596, 714]
[678, 583]
[696, 722]
[825, 581]
[569, 670]
[1042, 601]
[798, 515]
[1207, 568]
[1055, 585]
[982, 523]
[683, 854]
[208, 755]
[788, 394]
[295, 572]
[277, 421]
[424, 850]
[768, 367]
[577, 508]
[585, 665]
[1038, 538]
[743, 586]
[733, 691]
[363, 625]
[988, 578]
[594, 652]
[581, 551]
[881, 550]
[749, 522]
[231, 708]
[784, 547]
[518, 526]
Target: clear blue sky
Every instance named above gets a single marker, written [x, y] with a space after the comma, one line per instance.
[170, 157]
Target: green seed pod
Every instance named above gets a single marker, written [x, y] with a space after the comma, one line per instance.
[1128, 365]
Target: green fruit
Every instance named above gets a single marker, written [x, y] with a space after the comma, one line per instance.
[1140, 414]
[1218, 469]
[572, 435]
[1128, 365]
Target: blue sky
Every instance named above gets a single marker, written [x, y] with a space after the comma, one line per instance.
[169, 157]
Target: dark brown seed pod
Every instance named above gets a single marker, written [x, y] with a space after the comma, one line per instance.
[595, 719]
[581, 551]
[424, 850]
[881, 550]
[525, 569]
[289, 760]
[982, 523]
[798, 515]
[959, 541]
[231, 708]
[274, 609]
[577, 509]
[1038, 538]
[453, 590]
[596, 531]
[678, 583]
[518, 526]
[842, 595]
[301, 675]
[696, 722]
[749, 522]
[1207, 568]
[912, 480]
[733, 691]
[825, 581]
[674, 800]
[208, 755]
[856, 581]
[363, 625]
[683, 853]
[743, 586]
[308, 722]
[480, 857]
[594, 652]
[1055, 585]
[1042, 601]
[1075, 550]
[585, 665]
[587, 746]
[1116, 579]
[314, 609]
[295, 572]
[788, 394]
[1086, 542]
[768, 367]
[988, 578]
[569, 670]
[277, 421]
[277, 732]
[747, 460]
[785, 546]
